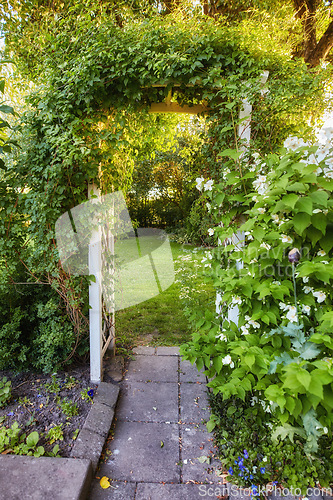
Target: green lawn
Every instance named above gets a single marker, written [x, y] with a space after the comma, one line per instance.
[161, 320]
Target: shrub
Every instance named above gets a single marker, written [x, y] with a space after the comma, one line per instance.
[281, 347]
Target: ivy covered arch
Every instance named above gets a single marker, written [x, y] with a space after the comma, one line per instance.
[89, 120]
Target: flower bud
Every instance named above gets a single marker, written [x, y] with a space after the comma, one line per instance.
[294, 256]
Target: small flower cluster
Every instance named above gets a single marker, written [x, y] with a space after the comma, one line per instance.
[201, 184]
[246, 471]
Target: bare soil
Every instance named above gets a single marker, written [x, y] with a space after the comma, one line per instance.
[36, 404]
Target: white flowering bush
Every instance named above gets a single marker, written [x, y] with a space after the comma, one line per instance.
[271, 337]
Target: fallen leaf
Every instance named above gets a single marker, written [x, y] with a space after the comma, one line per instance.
[162, 444]
[105, 483]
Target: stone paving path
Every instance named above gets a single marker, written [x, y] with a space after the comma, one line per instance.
[161, 449]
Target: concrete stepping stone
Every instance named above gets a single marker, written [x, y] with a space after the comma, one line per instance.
[198, 462]
[143, 452]
[178, 491]
[153, 369]
[189, 373]
[117, 491]
[194, 405]
[148, 401]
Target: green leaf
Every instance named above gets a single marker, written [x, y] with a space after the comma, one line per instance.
[301, 221]
[304, 204]
[319, 197]
[299, 187]
[319, 221]
[232, 153]
[32, 439]
[4, 108]
[290, 200]
[304, 378]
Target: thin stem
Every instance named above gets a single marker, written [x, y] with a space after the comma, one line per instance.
[295, 296]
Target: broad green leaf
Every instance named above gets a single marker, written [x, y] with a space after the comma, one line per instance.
[32, 439]
[319, 197]
[304, 204]
[290, 200]
[304, 378]
[301, 221]
[319, 221]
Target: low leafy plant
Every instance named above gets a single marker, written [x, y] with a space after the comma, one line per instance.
[87, 394]
[53, 386]
[253, 456]
[5, 391]
[12, 441]
[69, 408]
[55, 433]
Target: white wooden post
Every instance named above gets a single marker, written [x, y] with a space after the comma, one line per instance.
[95, 300]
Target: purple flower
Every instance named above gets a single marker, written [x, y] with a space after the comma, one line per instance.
[294, 256]
[10, 414]
[91, 393]
[231, 471]
[246, 455]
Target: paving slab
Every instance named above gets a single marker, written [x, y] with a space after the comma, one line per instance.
[148, 401]
[198, 462]
[194, 405]
[144, 350]
[117, 491]
[151, 491]
[167, 351]
[143, 452]
[23, 477]
[153, 368]
[190, 373]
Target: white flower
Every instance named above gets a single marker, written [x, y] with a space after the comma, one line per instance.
[266, 246]
[286, 239]
[245, 331]
[324, 262]
[199, 181]
[261, 210]
[222, 337]
[253, 261]
[255, 324]
[292, 314]
[275, 218]
[210, 231]
[248, 235]
[228, 361]
[255, 199]
[306, 309]
[208, 206]
[316, 211]
[305, 279]
[321, 253]
[293, 143]
[246, 317]
[320, 296]
[264, 459]
[208, 185]
[236, 300]
[260, 184]
[325, 430]
[307, 289]
[283, 306]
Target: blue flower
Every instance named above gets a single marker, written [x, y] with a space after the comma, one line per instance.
[91, 393]
[262, 470]
[254, 489]
[246, 455]
[231, 471]
[251, 476]
[10, 414]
